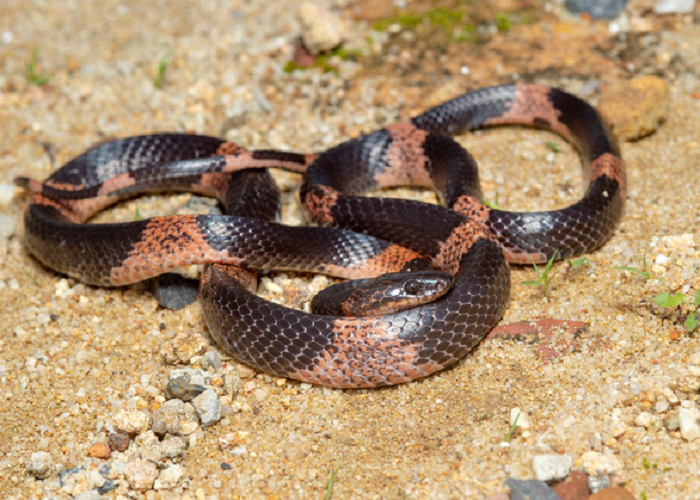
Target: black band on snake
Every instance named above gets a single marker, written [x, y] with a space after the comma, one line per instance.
[465, 239]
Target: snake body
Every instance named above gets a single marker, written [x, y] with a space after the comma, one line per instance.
[466, 239]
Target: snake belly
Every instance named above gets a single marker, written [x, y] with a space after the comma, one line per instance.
[465, 237]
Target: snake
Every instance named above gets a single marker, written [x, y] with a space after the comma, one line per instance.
[450, 261]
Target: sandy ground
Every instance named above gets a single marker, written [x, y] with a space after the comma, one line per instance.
[73, 357]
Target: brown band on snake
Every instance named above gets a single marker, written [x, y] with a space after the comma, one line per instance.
[613, 168]
[320, 202]
[362, 356]
[406, 160]
[167, 243]
[394, 256]
[532, 106]
[471, 207]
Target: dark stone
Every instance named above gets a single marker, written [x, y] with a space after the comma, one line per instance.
[118, 441]
[173, 291]
[181, 388]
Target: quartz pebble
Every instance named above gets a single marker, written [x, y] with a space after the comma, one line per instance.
[141, 474]
[644, 419]
[320, 29]
[40, 464]
[689, 419]
[170, 477]
[552, 467]
[131, 421]
[599, 464]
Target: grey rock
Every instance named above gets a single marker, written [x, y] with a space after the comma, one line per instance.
[181, 388]
[524, 490]
[208, 406]
[597, 9]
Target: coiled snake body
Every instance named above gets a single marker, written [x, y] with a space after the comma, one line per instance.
[466, 239]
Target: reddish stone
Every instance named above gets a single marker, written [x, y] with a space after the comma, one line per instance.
[99, 450]
[574, 487]
[615, 493]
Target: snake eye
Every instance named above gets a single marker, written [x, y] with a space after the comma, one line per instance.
[411, 287]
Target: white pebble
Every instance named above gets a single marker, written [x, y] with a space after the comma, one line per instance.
[695, 359]
[141, 474]
[40, 465]
[131, 421]
[208, 406]
[661, 259]
[522, 421]
[599, 464]
[169, 478]
[688, 418]
[7, 192]
[661, 406]
[644, 419]
[552, 467]
[674, 6]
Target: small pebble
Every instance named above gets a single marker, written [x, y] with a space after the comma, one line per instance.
[141, 474]
[98, 480]
[212, 359]
[7, 192]
[644, 419]
[599, 464]
[183, 348]
[320, 29]
[181, 388]
[118, 441]
[131, 421]
[170, 418]
[695, 359]
[688, 419]
[170, 477]
[99, 450]
[40, 465]
[552, 467]
[208, 406]
[174, 448]
[685, 383]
